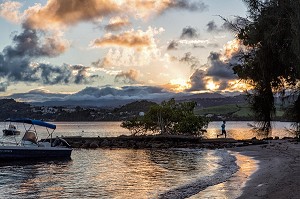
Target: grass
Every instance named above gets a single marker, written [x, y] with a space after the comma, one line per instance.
[224, 109]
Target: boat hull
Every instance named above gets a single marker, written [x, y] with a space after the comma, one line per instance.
[20, 152]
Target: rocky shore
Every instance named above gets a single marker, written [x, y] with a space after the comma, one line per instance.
[157, 141]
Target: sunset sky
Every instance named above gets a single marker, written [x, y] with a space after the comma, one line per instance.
[76, 47]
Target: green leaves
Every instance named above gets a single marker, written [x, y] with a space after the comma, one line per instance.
[169, 118]
[271, 61]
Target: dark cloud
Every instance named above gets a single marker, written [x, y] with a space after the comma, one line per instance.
[190, 59]
[129, 77]
[31, 43]
[17, 60]
[211, 26]
[189, 5]
[126, 92]
[198, 46]
[189, 33]
[173, 45]
[3, 86]
[38, 95]
[198, 81]
[219, 69]
[223, 85]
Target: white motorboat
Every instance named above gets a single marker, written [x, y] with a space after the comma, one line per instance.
[11, 130]
[30, 148]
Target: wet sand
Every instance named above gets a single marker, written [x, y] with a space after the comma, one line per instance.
[278, 175]
[266, 171]
[232, 188]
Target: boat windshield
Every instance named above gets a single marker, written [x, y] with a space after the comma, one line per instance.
[30, 136]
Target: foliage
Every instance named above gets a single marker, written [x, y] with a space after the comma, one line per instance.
[270, 61]
[169, 118]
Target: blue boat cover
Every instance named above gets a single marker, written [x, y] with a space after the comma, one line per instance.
[35, 122]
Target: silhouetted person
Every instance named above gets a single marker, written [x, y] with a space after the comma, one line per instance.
[223, 129]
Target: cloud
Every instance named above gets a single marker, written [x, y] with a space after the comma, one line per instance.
[173, 45]
[38, 95]
[219, 69]
[3, 86]
[190, 59]
[129, 77]
[127, 39]
[102, 63]
[33, 43]
[10, 10]
[198, 81]
[189, 33]
[144, 9]
[16, 64]
[188, 5]
[117, 23]
[16, 61]
[57, 13]
[123, 93]
[211, 26]
[130, 39]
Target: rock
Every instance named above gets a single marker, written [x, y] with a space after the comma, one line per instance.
[76, 144]
[94, 145]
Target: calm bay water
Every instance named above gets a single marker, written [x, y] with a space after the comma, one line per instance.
[237, 130]
[123, 173]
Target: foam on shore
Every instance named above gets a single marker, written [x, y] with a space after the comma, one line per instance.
[227, 167]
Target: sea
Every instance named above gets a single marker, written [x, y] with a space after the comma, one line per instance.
[127, 173]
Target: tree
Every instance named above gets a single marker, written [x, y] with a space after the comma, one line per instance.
[270, 62]
[169, 118]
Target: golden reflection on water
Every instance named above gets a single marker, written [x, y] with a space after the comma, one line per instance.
[241, 130]
[232, 188]
[116, 173]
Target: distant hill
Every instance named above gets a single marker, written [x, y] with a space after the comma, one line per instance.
[114, 103]
[12, 109]
[137, 106]
[209, 102]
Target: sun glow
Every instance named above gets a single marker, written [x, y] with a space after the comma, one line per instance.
[178, 85]
[230, 49]
[211, 85]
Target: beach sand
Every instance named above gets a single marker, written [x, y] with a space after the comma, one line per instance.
[266, 171]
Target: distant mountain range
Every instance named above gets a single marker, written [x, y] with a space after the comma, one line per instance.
[112, 103]
[109, 97]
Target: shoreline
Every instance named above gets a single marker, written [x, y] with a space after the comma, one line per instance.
[232, 187]
[278, 174]
[266, 171]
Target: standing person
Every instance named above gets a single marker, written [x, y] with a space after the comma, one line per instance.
[223, 129]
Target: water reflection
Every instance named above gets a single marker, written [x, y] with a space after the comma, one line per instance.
[235, 129]
[108, 174]
[232, 188]
[31, 179]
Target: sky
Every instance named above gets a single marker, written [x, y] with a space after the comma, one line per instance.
[104, 48]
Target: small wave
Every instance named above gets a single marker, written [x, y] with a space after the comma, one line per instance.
[227, 168]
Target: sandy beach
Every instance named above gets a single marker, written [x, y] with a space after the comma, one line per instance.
[266, 171]
[278, 173]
